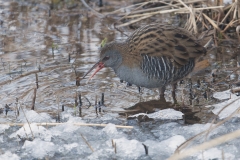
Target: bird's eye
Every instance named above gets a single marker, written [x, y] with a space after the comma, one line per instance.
[106, 58]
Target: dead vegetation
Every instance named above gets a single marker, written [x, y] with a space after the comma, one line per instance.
[196, 15]
[221, 21]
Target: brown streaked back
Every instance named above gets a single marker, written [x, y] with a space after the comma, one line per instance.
[158, 40]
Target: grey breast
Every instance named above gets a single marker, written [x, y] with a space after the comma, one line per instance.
[154, 72]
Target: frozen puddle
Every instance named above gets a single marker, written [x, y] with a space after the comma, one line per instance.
[74, 142]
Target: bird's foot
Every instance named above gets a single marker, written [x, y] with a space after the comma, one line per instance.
[162, 98]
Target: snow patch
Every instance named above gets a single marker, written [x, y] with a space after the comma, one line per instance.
[3, 127]
[9, 155]
[129, 148]
[37, 131]
[232, 105]
[39, 149]
[163, 114]
[110, 129]
[215, 153]
[33, 116]
[224, 95]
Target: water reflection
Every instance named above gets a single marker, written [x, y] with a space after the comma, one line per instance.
[59, 41]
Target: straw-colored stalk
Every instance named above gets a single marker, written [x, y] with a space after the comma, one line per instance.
[77, 124]
[181, 148]
[168, 5]
[180, 10]
[206, 145]
[87, 142]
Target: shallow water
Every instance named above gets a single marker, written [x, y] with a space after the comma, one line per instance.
[59, 42]
[57, 45]
[58, 48]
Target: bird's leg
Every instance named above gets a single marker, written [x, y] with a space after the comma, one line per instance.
[129, 84]
[139, 90]
[174, 86]
[161, 91]
[140, 93]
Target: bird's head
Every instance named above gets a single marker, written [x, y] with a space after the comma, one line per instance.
[110, 56]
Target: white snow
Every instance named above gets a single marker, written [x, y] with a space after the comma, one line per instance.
[169, 145]
[110, 129]
[32, 131]
[1, 139]
[69, 147]
[163, 114]
[12, 28]
[39, 149]
[227, 1]
[65, 140]
[231, 106]
[165, 147]
[215, 153]
[173, 142]
[63, 129]
[131, 149]
[9, 155]
[3, 127]
[224, 95]
[33, 116]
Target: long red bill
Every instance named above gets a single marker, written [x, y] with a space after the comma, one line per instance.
[98, 66]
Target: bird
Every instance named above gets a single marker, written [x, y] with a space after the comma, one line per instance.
[153, 56]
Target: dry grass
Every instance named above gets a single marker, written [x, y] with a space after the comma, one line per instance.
[206, 145]
[77, 124]
[182, 151]
[197, 15]
[209, 15]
